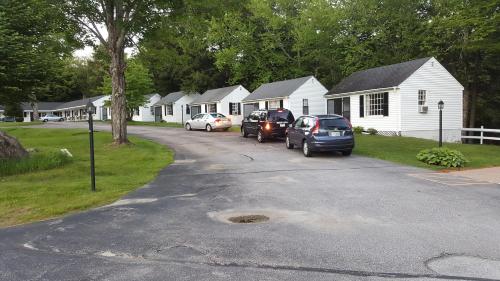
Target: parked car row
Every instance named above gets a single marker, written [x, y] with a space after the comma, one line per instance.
[311, 133]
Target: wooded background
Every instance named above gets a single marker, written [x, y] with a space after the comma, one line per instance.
[196, 45]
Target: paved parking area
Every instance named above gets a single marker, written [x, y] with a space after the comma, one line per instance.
[330, 218]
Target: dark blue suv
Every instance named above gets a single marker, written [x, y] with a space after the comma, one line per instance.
[321, 133]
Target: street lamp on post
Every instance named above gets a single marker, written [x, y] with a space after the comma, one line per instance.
[440, 107]
[91, 110]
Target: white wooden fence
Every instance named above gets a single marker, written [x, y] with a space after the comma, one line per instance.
[481, 136]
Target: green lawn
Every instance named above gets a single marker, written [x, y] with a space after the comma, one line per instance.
[404, 150]
[235, 128]
[45, 194]
[19, 124]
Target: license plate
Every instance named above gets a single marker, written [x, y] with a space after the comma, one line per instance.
[282, 125]
[334, 134]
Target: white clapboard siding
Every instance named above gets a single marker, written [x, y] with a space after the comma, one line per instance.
[179, 109]
[236, 96]
[439, 85]
[145, 114]
[389, 123]
[314, 92]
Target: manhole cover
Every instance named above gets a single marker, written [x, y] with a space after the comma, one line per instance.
[248, 219]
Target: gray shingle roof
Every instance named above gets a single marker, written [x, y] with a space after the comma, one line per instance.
[170, 98]
[215, 95]
[378, 78]
[42, 105]
[277, 89]
[78, 103]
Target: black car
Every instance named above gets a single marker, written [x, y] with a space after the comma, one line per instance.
[321, 133]
[266, 124]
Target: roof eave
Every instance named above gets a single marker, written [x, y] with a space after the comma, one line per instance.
[360, 92]
[265, 99]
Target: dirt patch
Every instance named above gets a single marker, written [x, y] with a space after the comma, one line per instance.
[248, 219]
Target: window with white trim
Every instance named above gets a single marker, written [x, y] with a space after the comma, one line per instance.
[274, 104]
[235, 108]
[375, 104]
[422, 97]
[305, 106]
[212, 108]
[170, 109]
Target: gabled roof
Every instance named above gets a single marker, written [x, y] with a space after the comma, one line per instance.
[171, 98]
[42, 106]
[277, 89]
[78, 103]
[215, 95]
[378, 78]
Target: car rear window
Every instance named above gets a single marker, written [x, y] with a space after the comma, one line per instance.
[280, 116]
[333, 124]
[217, 115]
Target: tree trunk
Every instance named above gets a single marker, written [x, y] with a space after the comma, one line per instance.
[36, 116]
[118, 99]
[472, 109]
[10, 147]
[466, 106]
[34, 106]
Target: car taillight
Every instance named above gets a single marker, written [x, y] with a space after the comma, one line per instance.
[348, 122]
[217, 120]
[315, 129]
[268, 126]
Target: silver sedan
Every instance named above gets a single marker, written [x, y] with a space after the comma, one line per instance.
[209, 122]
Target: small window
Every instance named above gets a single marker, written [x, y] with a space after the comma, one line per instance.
[212, 108]
[422, 97]
[305, 106]
[152, 110]
[170, 109]
[235, 108]
[188, 109]
[274, 104]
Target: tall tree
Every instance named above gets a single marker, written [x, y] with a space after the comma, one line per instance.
[122, 21]
[177, 51]
[139, 84]
[34, 41]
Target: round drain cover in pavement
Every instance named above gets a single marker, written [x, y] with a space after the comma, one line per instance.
[249, 219]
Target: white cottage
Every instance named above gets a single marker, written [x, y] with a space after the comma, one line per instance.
[44, 108]
[145, 113]
[75, 110]
[174, 107]
[302, 96]
[223, 100]
[401, 99]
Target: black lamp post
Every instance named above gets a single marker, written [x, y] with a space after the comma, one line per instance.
[440, 106]
[91, 110]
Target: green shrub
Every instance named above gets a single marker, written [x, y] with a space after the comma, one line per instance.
[36, 161]
[358, 129]
[372, 131]
[444, 157]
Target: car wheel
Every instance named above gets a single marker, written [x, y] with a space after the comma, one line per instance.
[289, 145]
[244, 132]
[347, 152]
[45, 120]
[188, 127]
[209, 128]
[60, 120]
[260, 137]
[225, 129]
[305, 149]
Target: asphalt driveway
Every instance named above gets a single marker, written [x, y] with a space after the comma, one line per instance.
[331, 218]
